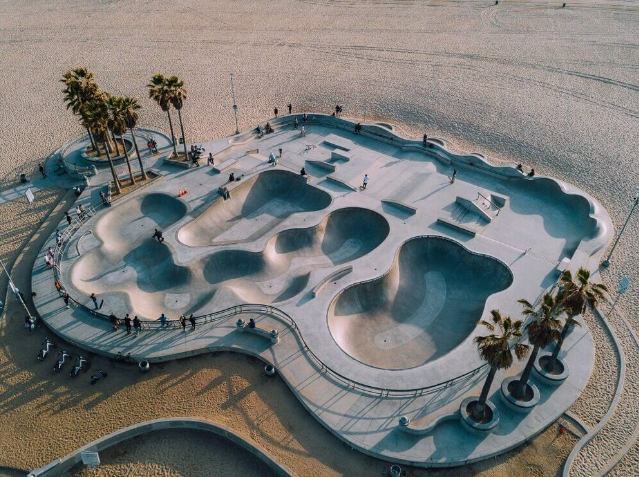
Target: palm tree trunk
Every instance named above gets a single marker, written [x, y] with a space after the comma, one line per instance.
[137, 151]
[480, 409]
[116, 181]
[520, 388]
[186, 156]
[555, 352]
[95, 148]
[115, 141]
[172, 135]
[128, 163]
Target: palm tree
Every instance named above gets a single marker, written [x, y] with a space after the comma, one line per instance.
[160, 93]
[80, 89]
[178, 96]
[575, 296]
[130, 108]
[496, 351]
[542, 330]
[96, 114]
[117, 126]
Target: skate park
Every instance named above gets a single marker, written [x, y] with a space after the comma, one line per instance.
[373, 293]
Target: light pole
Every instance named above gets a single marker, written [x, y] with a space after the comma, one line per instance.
[15, 290]
[635, 201]
[237, 128]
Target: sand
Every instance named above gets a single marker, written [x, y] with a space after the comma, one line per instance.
[555, 89]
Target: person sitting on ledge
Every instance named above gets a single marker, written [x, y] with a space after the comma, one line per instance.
[259, 131]
[520, 168]
[158, 235]
[231, 177]
[226, 195]
[531, 173]
[251, 323]
[268, 128]
[303, 172]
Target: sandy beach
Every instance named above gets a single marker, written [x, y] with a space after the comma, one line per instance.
[524, 82]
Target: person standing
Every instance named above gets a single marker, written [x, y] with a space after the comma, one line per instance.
[41, 169]
[211, 159]
[280, 156]
[58, 236]
[303, 134]
[365, 182]
[127, 324]
[114, 321]
[192, 320]
[69, 220]
[137, 324]
[183, 322]
[276, 111]
[162, 320]
[65, 297]
[304, 118]
[454, 176]
[290, 108]
[425, 140]
[296, 124]
[94, 299]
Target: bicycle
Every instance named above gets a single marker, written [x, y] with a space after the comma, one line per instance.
[124, 358]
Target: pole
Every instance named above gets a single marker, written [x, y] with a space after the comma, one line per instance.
[237, 129]
[14, 287]
[606, 262]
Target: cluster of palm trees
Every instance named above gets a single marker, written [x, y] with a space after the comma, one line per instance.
[106, 116]
[549, 323]
[169, 92]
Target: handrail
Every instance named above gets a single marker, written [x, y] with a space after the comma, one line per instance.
[220, 315]
[479, 194]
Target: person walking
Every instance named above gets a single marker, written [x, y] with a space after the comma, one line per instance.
[290, 108]
[41, 169]
[192, 320]
[68, 217]
[276, 111]
[183, 322]
[65, 297]
[280, 156]
[303, 134]
[365, 182]
[163, 320]
[94, 299]
[137, 324]
[158, 235]
[127, 324]
[211, 159]
[454, 176]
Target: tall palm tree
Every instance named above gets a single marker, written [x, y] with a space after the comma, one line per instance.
[80, 89]
[130, 109]
[496, 351]
[160, 93]
[178, 96]
[96, 114]
[575, 296]
[542, 330]
[117, 126]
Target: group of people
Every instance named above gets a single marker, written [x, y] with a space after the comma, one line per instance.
[129, 324]
[48, 258]
[164, 321]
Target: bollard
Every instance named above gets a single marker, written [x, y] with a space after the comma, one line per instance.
[496, 2]
[269, 369]
[564, 5]
[395, 471]
[144, 366]
[275, 336]
[404, 421]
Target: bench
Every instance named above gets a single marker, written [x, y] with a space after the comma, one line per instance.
[456, 225]
[224, 165]
[420, 430]
[272, 335]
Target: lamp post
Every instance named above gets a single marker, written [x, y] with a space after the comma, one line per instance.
[237, 129]
[635, 201]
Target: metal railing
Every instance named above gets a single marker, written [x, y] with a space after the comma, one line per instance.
[226, 313]
[479, 194]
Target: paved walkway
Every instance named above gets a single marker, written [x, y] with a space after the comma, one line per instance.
[366, 420]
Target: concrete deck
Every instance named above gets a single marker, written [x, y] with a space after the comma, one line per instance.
[277, 246]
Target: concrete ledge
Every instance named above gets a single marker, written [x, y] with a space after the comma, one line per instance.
[60, 466]
[271, 335]
[322, 165]
[471, 206]
[333, 276]
[409, 209]
[456, 226]
[342, 155]
[405, 425]
[224, 165]
[173, 162]
[341, 182]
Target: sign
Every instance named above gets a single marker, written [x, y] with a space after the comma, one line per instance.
[624, 284]
[29, 195]
[91, 459]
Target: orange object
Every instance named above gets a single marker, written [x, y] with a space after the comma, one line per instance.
[562, 429]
